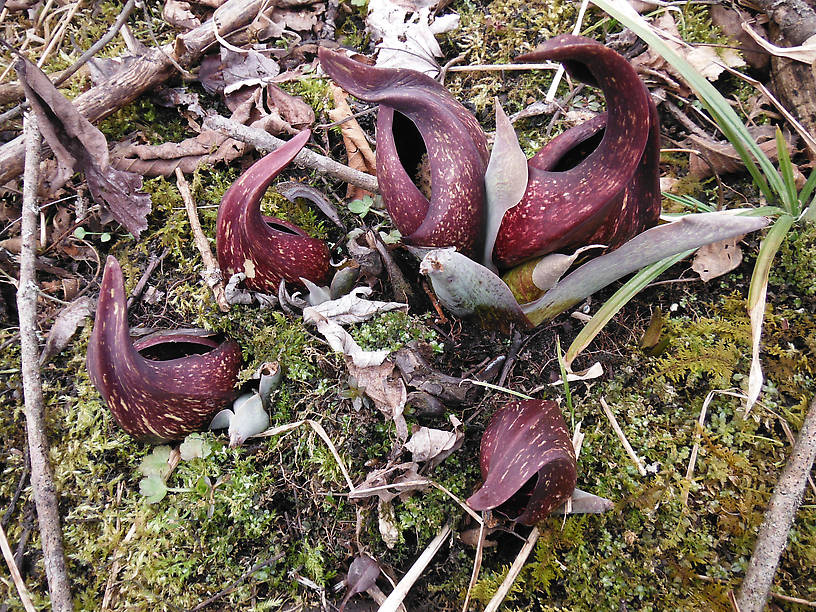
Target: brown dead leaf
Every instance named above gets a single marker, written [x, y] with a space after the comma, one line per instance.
[730, 19]
[302, 19]
[385, 388]
[247, 69]
[705, 59]
[208, 147]
[435, 445]
[292, 109]
[178, 14]
[64, 327]
[718, 258]
[78, 145]
[724, 157]
[359, 153]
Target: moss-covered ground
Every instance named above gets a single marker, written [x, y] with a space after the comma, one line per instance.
[248, 525]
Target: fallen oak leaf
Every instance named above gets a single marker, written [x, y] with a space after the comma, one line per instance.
[358, 152]
[78, 145]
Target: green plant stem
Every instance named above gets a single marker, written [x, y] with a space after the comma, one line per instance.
[613, 305]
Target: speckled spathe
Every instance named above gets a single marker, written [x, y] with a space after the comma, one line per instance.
[455, 144]
[266, 249]
[613, 193]
[524, 440]
[156, 401]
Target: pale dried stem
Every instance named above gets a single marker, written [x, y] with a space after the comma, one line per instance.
[212, 273]
[264, 141]
[477, 565]
[395, 599]
[514, 571]
[42, 478]
[622, 437]
[22, 591]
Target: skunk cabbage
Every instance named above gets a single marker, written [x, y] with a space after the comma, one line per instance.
[266, 249]
[166, 385]
[527, 460]
[455, 144]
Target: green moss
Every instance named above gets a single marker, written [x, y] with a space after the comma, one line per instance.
[392, 331]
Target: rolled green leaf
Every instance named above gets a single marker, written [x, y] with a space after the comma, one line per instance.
[167, 385]
[266, 249]
[689, 232]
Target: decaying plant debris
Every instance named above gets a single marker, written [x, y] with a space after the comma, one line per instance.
[381, 395]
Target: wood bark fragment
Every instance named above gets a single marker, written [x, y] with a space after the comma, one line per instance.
[773, 533]
[145, 73]
[42, 477]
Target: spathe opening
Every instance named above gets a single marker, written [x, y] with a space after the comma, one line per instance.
[579, 152]
[412, 152]
[278, 226]
[174, 347]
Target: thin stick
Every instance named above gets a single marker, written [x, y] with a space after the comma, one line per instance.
[42, 478]
[514, 571]
[140, 286]
[773, 533]
[15, 572]
[396, 597]
[305, 159]
[698, 436]
[619, 432]
[212, 273]
[477, 565]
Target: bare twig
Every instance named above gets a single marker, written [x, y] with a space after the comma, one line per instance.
[513, 572]
[42, 478]
[140, 286]
[773, 533]
[22, 591]
[305, 159]
[619, 432]
[396, 597]
[212, 273]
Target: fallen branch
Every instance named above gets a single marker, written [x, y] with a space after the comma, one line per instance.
[212, 273]
[145, 73]
[264, 141]
[42, 478]
[773, 533]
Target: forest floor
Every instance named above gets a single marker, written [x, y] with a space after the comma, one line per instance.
[270, 525]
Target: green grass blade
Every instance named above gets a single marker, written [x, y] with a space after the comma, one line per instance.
[729, 122]
[767, 251]
[807, 189]
[756, 300]
[621, 297]
[791, 201]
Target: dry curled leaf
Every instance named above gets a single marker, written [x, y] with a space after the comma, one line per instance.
[435, 444]
[78, 145]
[362, 575]
[358, 152]
[64, 327]
[723, 157]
